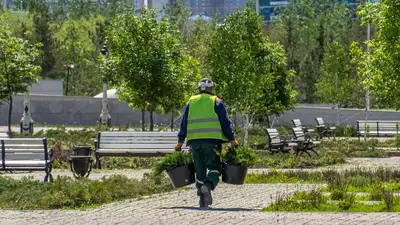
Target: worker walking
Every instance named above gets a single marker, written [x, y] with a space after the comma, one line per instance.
[206, 125]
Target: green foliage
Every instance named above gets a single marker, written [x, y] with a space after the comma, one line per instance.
[241, 156]
[397, 136]
[338, 84]
[358, 181]
[338, 194]
[67, 192]
[354, 148]
[376, 192]
[379, 66]
[307, 30]
[171, 161]
[74, 41]
[17, 68]
[250, 72]
[347, 202]
[282, 160]
[334, 179]
[178, 13]
[289, 176]
[198, 42]
[149, 64]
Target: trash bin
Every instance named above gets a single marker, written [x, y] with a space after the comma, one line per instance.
[81, 161]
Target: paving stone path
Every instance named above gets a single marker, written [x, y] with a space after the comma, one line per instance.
[232, 205]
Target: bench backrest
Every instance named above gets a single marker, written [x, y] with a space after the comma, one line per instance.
[137, 140]
[320, 121]
[24, 150]
[296, 122]
[298, 134]
[273, 136]
[377, 125]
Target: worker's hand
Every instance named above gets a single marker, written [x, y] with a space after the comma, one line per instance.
[235, 143]
[178, 146]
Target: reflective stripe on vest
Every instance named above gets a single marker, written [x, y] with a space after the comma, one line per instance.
[203, 122]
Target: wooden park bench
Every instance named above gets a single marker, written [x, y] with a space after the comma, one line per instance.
[278, 143]
[377, 128]
[26, 154]
[324, 129]
[3, 135]
[304, 143]
[127, 144]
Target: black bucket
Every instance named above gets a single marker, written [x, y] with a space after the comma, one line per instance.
[182, 176]
[232, 174]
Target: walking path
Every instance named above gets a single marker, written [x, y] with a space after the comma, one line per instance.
[232, 205]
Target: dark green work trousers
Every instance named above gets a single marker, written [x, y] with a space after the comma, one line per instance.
[207, 163]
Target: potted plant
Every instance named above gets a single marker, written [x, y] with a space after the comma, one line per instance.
[235, 163]
[179, 167]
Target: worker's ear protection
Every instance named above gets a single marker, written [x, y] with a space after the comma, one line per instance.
[205, 84]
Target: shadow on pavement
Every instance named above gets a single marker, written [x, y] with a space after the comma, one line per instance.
[212, 208]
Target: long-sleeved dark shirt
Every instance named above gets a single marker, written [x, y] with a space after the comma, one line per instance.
[226, 124]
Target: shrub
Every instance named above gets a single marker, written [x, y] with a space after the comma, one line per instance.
[171, 161]
[242, 156]
[358, 181]
[66, 192]
[347, 202]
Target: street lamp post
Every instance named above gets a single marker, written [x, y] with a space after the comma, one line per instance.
[105, 117]
[69, 66]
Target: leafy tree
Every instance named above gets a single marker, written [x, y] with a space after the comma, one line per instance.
[76, 44]
[147, 62]
[305, 28]
[380, 67]
[299, 30]
[246, 67]
[178, 13]
[339, 83]
[198, 42]
[17, 68]
[41, 33]
[281, 97]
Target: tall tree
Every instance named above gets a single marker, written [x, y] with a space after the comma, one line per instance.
[245, 65]
[17, 68]
[380, 66]
[147, 61]
[339, 83]
[75, 43]
[198, 41]
[178, 13]
[41, 33]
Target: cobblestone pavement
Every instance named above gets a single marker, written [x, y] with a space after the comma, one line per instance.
[232, 205]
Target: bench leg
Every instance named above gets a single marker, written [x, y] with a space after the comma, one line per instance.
[48, 177]
[98, 164]
[314, 152]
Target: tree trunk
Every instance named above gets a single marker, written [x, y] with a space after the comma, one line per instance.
[235, 123]
[9, 115]
[246, 129]
[337, 114]
[143, 120]
[172, 120]
[268, 122]
[151, 121]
